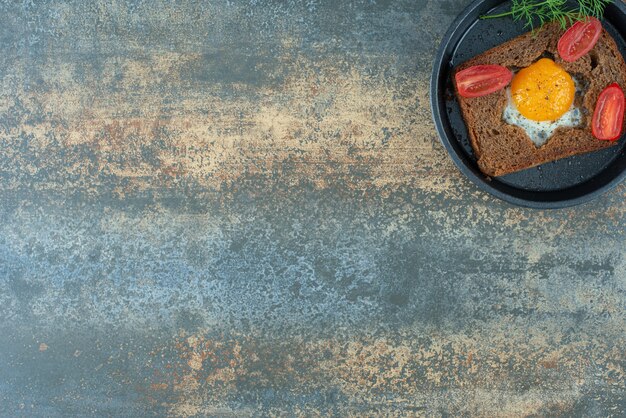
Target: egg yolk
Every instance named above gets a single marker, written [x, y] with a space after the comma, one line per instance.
[543, 91]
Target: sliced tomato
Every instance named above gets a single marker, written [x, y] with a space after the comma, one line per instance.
[579, 39]
[608, 117]
[482, 80]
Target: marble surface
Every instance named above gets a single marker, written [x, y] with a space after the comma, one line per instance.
[241, 208]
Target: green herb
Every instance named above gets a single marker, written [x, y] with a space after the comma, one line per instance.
[544, 11]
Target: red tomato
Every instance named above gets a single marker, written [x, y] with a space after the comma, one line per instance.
[482, 80]
[579, 39]
[608, 116]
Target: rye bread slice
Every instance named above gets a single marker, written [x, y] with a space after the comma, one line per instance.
[501, 148]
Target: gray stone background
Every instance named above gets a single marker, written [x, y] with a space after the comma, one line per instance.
[234, 208]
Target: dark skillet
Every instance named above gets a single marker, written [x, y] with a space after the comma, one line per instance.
[566, 182]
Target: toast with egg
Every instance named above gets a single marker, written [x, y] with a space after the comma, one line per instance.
[502, 148]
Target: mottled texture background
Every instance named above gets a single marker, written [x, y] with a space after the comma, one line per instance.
[233, 208]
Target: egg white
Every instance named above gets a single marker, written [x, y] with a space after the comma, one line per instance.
[540, 132]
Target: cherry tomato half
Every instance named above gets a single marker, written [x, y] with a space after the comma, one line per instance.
[481, 80]
[579, 39]
[608, 116]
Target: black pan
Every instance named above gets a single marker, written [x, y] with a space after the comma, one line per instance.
[566, 182]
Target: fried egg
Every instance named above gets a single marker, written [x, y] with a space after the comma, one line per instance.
[540, 99]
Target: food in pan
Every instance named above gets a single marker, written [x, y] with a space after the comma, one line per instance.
[547, 94]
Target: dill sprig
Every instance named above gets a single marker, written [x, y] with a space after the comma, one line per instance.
[534, 12]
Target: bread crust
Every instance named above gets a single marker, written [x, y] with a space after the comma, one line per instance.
[501, 148]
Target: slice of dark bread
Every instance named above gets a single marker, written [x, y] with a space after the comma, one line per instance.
[501, 148]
